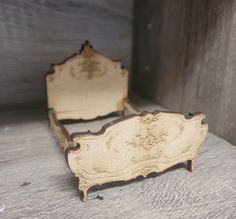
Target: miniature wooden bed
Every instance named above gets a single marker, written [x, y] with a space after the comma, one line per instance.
[89, 85]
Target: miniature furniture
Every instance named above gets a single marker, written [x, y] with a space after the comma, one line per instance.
[87, 86]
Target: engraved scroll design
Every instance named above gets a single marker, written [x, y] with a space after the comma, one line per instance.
[89, 67]
[150, 149]
[148, 139]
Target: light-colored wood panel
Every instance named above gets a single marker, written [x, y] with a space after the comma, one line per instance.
[86, 86]
[135, 145]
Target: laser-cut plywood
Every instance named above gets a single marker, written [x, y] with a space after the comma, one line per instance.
[136, 146]
[88, 85]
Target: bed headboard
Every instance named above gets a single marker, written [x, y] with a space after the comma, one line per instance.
[87, 85]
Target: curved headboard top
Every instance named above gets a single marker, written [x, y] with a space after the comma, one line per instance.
[87, 85]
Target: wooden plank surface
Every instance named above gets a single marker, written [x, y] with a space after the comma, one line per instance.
[185, 58]
[35, 181]
[35, 34]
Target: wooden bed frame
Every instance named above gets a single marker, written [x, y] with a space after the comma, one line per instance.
[89, 85]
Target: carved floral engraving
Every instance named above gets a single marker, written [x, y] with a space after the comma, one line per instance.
[123, 149]
[76, 87]
[89, 66]
[145, 143]
[148, 119]
[148, 139]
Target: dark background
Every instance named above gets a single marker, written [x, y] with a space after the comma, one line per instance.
[182, 53]
[35, 34]
[185, 58]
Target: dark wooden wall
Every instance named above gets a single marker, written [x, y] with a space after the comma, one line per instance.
[185, 58]
[184, 55]
[34, 34]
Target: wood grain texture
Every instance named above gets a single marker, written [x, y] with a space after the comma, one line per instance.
[135, 145]
[185, 59]
[87, 85]
[62, 134]
[34, 34]
[35, 181]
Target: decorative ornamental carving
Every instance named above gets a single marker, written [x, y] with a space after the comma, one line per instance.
[134, 146]
[88, 85]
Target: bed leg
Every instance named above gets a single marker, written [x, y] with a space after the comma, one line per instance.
[191, 165]
[85, 195]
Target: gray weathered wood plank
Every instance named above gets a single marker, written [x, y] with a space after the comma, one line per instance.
[35, 34]
[185, 58]
[35, 181]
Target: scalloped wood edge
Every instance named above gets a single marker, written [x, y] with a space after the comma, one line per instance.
[134, 145]
[81, 87]
[147, 148]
